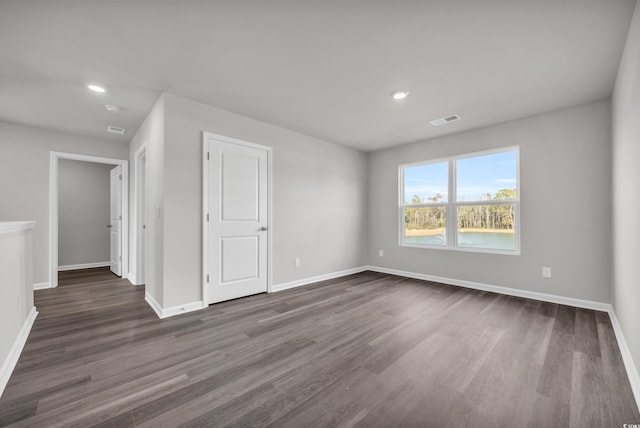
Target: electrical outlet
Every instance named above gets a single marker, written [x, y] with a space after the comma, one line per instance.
[546, 272]
[296, 262]
[380, 253]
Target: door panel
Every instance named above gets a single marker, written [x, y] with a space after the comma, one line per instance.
[115, 217]
[240, 187]
[239, 258]
[237, 180]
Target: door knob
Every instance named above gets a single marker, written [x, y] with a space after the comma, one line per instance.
[263, 228]
[108, 225]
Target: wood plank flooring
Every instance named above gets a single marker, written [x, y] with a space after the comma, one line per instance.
[367, 350]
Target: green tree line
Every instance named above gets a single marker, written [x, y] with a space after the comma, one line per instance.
[479, 216]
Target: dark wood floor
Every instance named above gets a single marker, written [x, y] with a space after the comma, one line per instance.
[366, 350]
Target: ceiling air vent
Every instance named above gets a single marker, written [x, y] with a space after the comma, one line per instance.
[443, 120]
[116, 130]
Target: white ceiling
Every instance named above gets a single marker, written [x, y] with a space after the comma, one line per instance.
[325, 68]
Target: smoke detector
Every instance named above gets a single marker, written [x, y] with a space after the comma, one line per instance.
[446, 119]
[111, 108]
[116, 130]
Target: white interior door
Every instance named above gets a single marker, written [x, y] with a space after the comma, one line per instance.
[237, 212]
[115, 217]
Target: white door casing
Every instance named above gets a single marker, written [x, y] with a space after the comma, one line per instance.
[236, 218]
[115, 217]
[141, 214]
[53, 208]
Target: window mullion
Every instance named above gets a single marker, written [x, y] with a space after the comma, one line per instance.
[435, 205]
[451, 210]
[488, 202]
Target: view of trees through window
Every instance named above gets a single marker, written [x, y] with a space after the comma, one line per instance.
[483, 206]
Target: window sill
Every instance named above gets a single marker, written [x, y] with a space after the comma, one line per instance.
[463, 249]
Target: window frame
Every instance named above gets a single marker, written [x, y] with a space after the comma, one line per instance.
[452, 204]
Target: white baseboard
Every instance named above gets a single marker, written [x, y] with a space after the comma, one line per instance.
[154, 305]
[16, 349]
[41, 285]
[569, 301]
[182, 309]
[174, 310]
[305, 281]
[132, 279]
[84, 266]
[629, 364]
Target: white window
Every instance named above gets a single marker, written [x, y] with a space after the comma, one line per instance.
[469, 202]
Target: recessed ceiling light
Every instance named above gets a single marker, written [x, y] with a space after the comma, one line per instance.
[97, 88]
[399, 95]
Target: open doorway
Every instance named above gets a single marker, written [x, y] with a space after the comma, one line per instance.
[83, 215]
[117, 214]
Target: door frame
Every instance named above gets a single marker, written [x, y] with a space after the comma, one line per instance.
[136, 277]
[206, 168]
[115, 201]
[53, 209]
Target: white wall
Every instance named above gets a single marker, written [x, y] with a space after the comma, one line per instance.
[318, 201]
[626, 196]
[565, 205]
[16, 293]
[83, 212]
[151, 135]
[24, 172]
